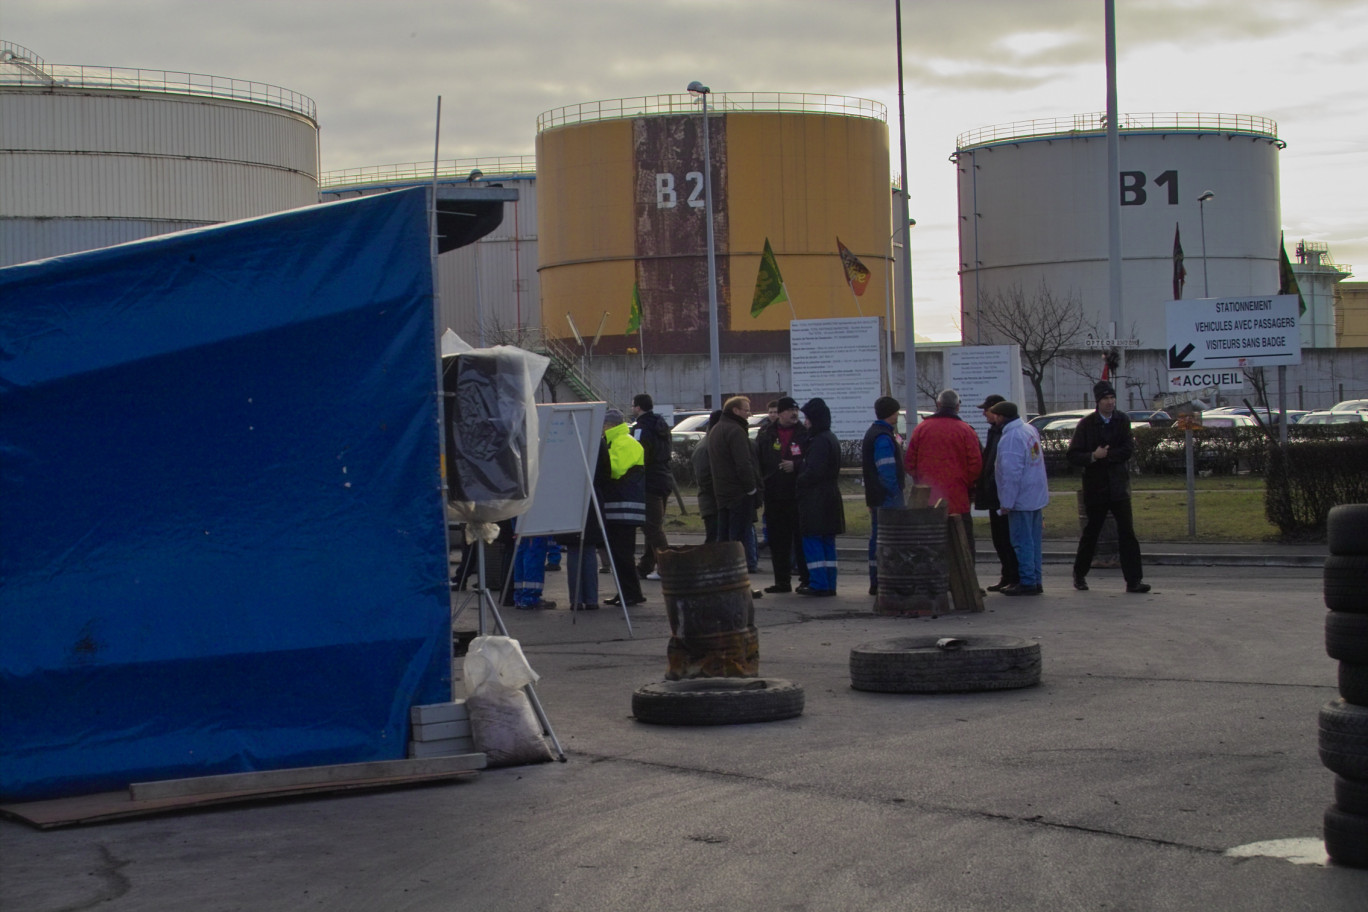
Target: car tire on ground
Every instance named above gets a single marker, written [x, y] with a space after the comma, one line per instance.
[717, 701]
[1351, 795]
[1344, 739]
[1346, 583]
[1346, 837]
[1346, 529]
[1353, 683]
[929, 664]
[1346, 637]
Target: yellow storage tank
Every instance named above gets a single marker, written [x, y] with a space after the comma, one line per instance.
[622, 212]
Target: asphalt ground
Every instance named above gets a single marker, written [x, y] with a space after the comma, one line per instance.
[1168, 730]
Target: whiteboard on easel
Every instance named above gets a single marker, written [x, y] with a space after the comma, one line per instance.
[570, 434]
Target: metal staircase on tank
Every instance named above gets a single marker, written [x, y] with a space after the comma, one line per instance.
[574, 372]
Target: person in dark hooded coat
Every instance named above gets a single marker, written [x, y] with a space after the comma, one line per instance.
[821, 515]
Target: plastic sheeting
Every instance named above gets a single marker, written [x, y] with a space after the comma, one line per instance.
[491, 431]
[222, 545]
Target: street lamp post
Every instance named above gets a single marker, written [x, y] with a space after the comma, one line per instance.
[699, 89]
[1201, 209]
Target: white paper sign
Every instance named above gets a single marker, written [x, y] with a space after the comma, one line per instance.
[979, 371]
[838, 361]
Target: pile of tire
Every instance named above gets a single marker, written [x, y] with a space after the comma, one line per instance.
[1344, 721]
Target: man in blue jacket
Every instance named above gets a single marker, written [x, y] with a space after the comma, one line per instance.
[1023, 492]
[881, 460]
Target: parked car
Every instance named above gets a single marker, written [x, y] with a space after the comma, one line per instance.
[1059, 427]
[1040, 421]
[682, 415]
[1268, 416]
[902, 421]
[1334, 417]
[1350, 405]
[1217, 420]
[1154, 417]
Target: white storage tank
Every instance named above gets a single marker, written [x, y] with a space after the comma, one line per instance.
[1033, 208]
[94, 156]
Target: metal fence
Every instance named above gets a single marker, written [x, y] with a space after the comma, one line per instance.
[500, 166]
[22, 67]
[1180, 122]
[754, 102]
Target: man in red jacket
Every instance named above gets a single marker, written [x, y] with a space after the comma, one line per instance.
[943, 452]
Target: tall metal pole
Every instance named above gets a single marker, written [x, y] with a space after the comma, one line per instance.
[1113, 186]
[1201, 209]
[699, 89]
[909, 333]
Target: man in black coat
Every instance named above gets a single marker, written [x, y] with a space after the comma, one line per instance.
[653, 433]
[1102, 445]
[779, 446]
[986, 498]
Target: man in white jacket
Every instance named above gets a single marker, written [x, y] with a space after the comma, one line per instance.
[1023, 492]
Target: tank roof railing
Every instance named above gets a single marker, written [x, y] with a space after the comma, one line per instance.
[496, 167]
[751, 102]
[1180, 122]
[30, 71]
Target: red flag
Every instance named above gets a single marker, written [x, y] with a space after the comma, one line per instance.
[1179, 272]
[857, 276]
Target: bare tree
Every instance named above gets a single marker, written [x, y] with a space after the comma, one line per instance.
[1256, 378]
[1041, 324]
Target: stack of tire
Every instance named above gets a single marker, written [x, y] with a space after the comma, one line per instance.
[1344, 722]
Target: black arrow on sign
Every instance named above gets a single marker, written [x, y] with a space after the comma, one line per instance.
[1178, 359]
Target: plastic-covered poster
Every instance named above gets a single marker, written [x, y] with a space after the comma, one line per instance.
[490, 424]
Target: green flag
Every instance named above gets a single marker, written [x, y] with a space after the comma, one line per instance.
[1287, 279]
[769, 284]
[634, 318]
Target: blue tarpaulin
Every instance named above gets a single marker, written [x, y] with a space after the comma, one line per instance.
[222, 539]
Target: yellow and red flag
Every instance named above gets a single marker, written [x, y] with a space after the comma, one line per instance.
[857, 276]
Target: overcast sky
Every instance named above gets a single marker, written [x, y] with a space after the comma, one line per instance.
[376, 68]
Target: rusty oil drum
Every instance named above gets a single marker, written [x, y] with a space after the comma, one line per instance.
[712, 615]
[914, 566]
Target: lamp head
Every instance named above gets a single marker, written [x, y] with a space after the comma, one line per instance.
[1209, 195]
[698, 88]
[474, 175]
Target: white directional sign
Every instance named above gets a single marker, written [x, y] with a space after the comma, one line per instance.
[1227, 334]
[1196, 381]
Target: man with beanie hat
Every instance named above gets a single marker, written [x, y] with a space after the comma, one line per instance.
[1102, 445]
[653, 433]
[881, 461]
[1023, 493]
[821, 515]
[986, 498]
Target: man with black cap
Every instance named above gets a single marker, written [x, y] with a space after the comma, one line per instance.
[986, 498]
[779, 446]
[1102, 445]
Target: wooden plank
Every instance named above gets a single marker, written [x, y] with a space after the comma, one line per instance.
[81, 809]
[920, 496]
[306, 776]
[964, 585]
